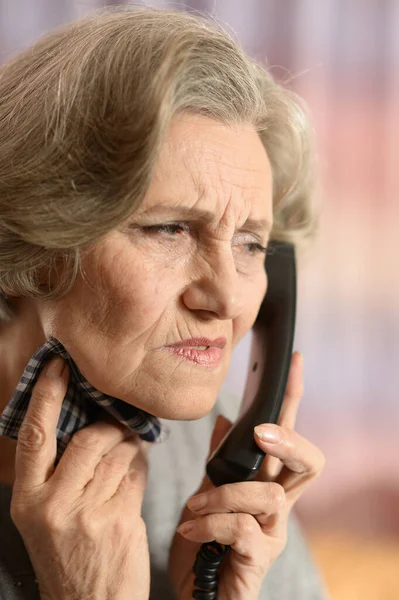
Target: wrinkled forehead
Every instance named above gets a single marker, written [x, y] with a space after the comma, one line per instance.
[213, 167]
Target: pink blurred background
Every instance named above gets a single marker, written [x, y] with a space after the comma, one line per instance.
[342, 57]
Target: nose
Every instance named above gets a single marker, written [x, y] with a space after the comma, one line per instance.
[215, 290]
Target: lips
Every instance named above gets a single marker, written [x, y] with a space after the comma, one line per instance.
[201, 351]
[219, 342]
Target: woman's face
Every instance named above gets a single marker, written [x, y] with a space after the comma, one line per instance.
[185, 265]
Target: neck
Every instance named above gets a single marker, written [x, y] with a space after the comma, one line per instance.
[19, 339]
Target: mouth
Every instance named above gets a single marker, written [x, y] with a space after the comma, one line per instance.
[205, 356]
[200, 351]
[201, 343]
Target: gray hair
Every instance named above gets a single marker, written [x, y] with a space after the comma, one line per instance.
[83, 113]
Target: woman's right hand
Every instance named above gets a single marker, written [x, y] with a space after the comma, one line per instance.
[81, 521]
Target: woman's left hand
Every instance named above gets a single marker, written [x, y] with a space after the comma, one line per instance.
[249, 516]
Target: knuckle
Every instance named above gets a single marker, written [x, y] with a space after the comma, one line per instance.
[32, 435]
[121, 528]
[110, 467]
[134, 481]
[86, 440]
[246, 524]
[277, 495]
[140, 528]
[128, 526]
[50, 517]
[89, 525]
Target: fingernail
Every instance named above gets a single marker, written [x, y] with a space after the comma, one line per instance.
[54, 368]
[197, 502]
[268, 433]
[186, 527]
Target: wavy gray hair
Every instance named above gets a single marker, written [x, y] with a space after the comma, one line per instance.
[82, 116]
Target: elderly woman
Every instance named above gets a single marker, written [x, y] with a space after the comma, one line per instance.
[145, 164]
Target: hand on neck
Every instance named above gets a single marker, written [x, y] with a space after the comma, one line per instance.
[19, 339]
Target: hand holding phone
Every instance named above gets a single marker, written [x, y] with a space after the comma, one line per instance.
[250, 516]
[247, 498]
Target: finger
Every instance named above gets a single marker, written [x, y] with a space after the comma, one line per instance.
[271, 466]
[293, 392]
[302, 460]
[111, 469]
[239, 530]
[130, 492]
[258, 498]
[86, 449]
[37, 444]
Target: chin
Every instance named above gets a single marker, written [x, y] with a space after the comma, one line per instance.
[187, 413]
[190, 407]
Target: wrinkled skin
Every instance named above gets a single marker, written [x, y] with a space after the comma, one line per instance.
[188, 263]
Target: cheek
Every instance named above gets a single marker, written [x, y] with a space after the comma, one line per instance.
[132, 303]
[99, 304]
[126, 308]
[254, 300]
[257, 295]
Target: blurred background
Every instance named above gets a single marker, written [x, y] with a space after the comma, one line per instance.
[342, 57]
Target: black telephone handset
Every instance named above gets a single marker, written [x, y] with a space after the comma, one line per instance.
[237, 457]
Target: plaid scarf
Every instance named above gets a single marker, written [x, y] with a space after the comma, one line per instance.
[82, 405]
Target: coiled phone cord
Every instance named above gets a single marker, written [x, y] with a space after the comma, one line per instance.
[208, 560]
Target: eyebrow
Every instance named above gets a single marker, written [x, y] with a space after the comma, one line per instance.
[206, 216]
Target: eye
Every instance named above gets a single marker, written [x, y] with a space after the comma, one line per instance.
[169, 229]
[254, 248]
